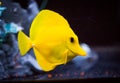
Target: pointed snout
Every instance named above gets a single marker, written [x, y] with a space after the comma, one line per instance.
[77, 50]
[80, 51]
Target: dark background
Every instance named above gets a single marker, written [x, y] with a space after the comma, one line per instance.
[96, 22]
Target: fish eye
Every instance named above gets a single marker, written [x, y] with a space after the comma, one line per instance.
[71, 39]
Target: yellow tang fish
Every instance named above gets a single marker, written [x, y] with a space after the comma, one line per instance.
[53, 41]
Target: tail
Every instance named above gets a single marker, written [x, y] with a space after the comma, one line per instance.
[24, 43]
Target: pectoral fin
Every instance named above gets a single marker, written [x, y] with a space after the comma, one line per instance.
[65, 56]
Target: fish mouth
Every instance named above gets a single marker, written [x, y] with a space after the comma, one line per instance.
[80, 51]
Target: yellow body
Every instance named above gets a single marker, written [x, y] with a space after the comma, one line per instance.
[53, 41]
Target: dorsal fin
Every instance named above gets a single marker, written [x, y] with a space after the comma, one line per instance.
[46, 19]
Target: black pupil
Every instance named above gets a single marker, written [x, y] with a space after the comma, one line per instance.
[72, 39]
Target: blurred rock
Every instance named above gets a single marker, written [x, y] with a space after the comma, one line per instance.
[32, 9]
[12, 63]
[5, 47]
[20, 71]
[2, 31]
[2, 57]
[3, 73]
[21, 16]
[31, 61]
[86, 62]
[2, 54]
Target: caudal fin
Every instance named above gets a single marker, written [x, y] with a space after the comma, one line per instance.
[24, 43]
